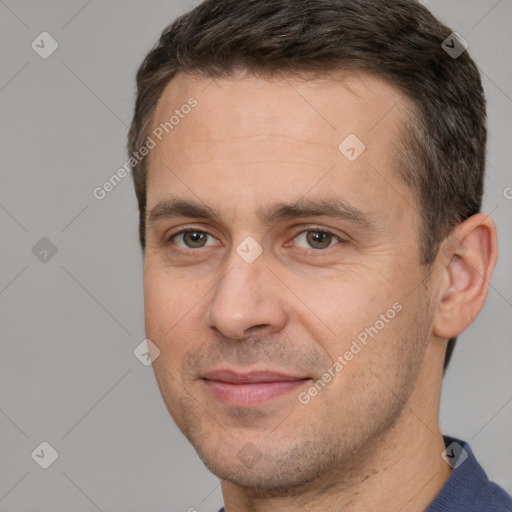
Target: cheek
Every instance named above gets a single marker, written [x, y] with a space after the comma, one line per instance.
[164, 305]
[366, 321]
[157, 302]
[171, 310]
[350, 307]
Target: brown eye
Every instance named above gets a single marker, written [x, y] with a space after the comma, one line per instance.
[317, 239]
[192, 239]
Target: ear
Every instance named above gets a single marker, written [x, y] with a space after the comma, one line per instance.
[468, 257]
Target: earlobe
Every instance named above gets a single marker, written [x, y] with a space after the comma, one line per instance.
[468, 258]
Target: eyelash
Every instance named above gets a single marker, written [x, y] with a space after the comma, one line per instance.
[314, 229]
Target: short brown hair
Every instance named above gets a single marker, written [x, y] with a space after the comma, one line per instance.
[443, 148]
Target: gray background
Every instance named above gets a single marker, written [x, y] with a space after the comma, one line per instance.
[70, 324]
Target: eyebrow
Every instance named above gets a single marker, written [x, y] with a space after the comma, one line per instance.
[334, 208]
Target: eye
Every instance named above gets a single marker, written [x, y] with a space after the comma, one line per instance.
[317, 238]
[191, 239]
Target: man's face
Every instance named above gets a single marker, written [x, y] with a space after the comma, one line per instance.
[253, 306]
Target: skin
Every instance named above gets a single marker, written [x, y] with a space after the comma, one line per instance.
[371, 436]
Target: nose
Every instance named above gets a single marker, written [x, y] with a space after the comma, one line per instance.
[247, 299]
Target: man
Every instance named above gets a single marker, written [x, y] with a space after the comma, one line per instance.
[309, 176]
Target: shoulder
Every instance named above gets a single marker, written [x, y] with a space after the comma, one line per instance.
[468, 489]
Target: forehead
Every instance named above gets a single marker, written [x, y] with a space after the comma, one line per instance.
[266, 137]
[312, 110]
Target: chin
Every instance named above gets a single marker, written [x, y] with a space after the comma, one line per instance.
[273, 473]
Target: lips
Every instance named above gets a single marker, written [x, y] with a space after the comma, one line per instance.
[252, 388]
